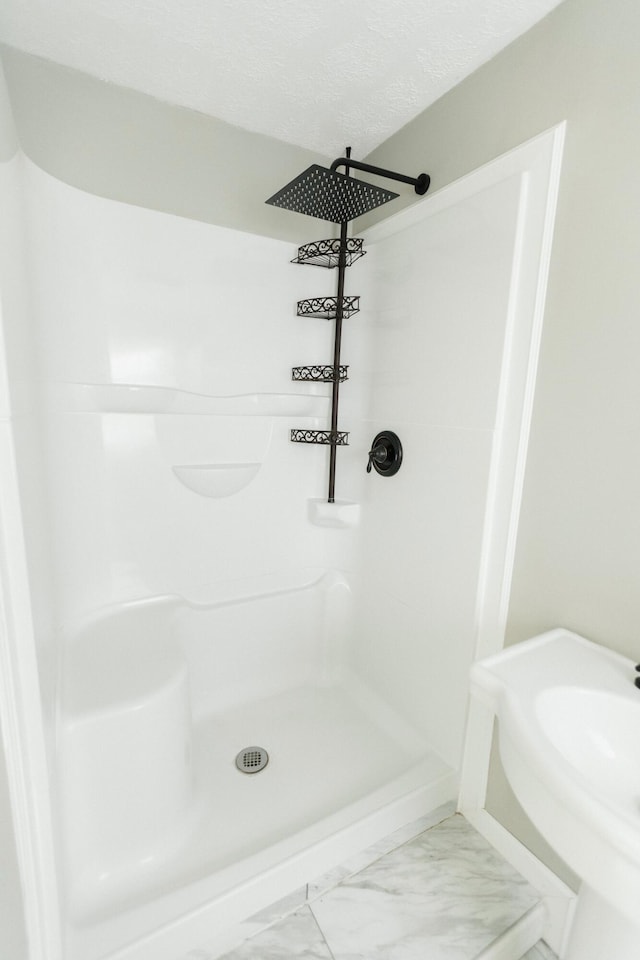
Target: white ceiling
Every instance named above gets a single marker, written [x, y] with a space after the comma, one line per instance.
[320, 74]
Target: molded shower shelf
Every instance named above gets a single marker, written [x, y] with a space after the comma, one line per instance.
[138, 398]
[323, 373]
[338, 438]
[340, 514]
[216, 479]
[325, 308]
[325, 253]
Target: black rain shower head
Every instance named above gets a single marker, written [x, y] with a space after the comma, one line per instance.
[329, 195]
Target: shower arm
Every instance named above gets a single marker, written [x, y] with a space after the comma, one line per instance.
[420, 183]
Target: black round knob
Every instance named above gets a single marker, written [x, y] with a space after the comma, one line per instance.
[385, 455]
[422, 184]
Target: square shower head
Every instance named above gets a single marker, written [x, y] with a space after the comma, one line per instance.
[329, 195]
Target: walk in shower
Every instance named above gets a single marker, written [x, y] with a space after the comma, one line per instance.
[196, 596]
[329, 195]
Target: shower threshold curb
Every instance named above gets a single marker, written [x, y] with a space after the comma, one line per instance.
[515, 941]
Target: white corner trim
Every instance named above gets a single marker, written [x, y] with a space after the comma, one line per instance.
[519, 938]
[22, 723]
[558, 899]
[538, 164]
[476, 757]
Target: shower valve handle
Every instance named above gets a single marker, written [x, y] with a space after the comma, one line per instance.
[385, 455]
[378, 453]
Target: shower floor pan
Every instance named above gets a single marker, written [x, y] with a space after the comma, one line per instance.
[168, 843]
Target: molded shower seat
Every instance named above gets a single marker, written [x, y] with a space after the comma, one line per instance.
[125, 742]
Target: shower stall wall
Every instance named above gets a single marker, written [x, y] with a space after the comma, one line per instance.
[196, 605]
[200, 611]
[27, 615]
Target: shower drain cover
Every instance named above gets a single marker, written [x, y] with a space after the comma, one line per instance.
[252, 760]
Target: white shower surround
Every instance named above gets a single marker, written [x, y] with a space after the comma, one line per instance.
[459, 393]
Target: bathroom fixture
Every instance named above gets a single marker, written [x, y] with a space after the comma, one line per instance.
[330, 195]
[325, 253]
[322, 373]
[327, 195]
[385, 455]
[252, 760]
[567, 725]
[326, 308]
[336, 437]
[330, 308]
[420, 183]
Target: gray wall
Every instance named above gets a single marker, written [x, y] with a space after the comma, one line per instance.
[127, 146]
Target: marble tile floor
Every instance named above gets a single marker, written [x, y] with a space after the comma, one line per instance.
[540, 952]
[435, 890]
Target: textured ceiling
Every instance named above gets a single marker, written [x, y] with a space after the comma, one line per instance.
[320, 75]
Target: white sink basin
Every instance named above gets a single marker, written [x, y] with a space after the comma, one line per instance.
[598, 734]
[569, 732]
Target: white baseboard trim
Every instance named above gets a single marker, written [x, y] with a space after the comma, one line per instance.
[519, 938]
[558, 899]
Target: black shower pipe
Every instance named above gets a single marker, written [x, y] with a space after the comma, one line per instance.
[335, 392]
[421, 185]
[421, 182]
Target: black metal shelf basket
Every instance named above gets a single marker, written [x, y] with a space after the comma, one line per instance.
[336, 438]
[326, 308]
[321, 373]
[326, 253]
